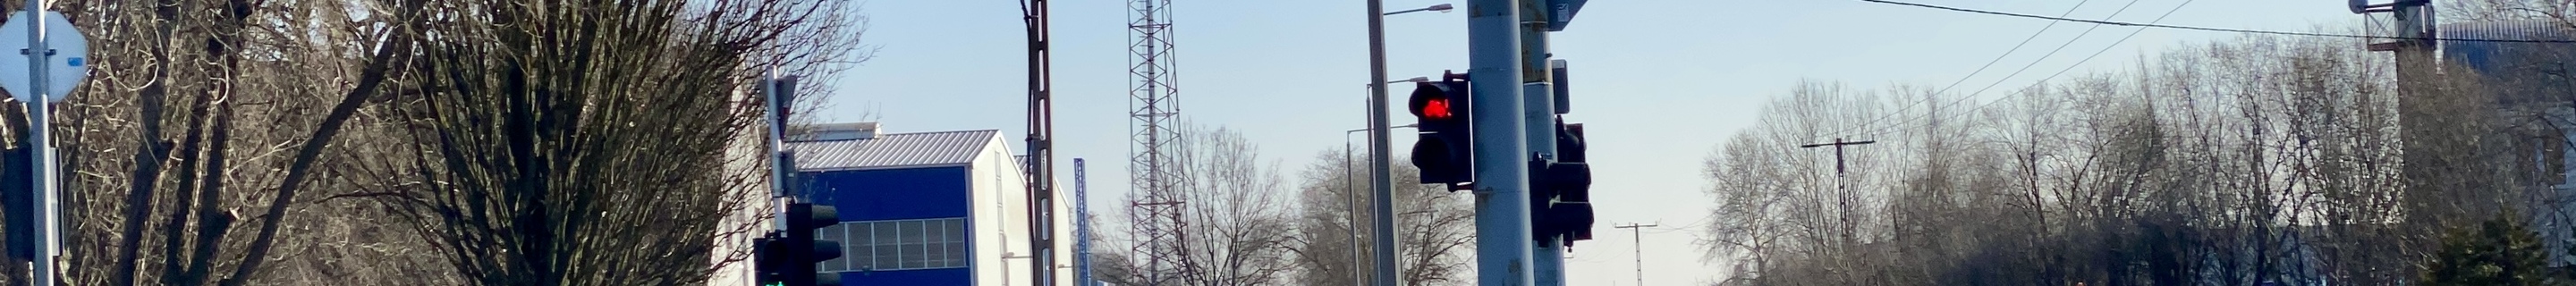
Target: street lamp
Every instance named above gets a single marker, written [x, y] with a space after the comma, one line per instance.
[1346, 135]
[1442, 8]
[1351, 198]
[1379, 177]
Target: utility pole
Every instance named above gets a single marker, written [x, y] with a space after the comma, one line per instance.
[1041, 144]
[1838, 152]
[1637, 239]
[1842, 190]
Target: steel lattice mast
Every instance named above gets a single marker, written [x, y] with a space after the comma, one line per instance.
[1155, 207]
[1081, 227]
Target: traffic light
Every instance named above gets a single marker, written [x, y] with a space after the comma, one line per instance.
[1542, 199]
[1445, 152]
[1560, 191]
[787, 258]
[1572, 177]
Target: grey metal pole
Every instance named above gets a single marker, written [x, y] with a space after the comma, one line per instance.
[777, 137]
[1380, 179]
[1502, 172]
[1351, 210]
[40, 137]
[1538, 111]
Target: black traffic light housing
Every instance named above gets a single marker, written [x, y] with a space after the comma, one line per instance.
[1571, 176]
[789, 256]
[1445, 152]
[1561, 190]
[1542, 199]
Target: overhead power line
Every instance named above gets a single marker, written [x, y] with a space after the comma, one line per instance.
[2060, 47]
[2078, 63]
[2034, 35]
[2231, 30]
[2017, 47]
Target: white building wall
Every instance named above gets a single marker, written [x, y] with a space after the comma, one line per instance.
[732, 256]
[1064, 239]
[1000, 222]
[988, 219]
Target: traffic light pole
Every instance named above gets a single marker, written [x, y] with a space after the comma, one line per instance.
[1538, 113]
[1503, 243]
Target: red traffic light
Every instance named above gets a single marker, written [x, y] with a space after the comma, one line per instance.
[1434, 100]
[1436, 108]
[1444, 152]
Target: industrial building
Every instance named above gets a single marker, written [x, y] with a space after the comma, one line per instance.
[2524, 63]
[924, 208]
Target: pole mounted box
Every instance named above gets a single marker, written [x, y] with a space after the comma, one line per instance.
[1557, 80]
[1560, 12]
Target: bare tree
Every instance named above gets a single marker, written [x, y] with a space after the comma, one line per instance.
[1435, 234]
[2249, 161]
[216, 140]
[1236, 228]
[1781, 205]
[200, 66]
[536, 142]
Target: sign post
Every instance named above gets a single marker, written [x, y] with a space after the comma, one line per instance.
[38, 88]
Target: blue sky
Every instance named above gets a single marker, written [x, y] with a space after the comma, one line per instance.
[1658, 83]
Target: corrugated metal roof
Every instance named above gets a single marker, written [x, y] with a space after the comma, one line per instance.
[2486, 56]
[2517, 30]
[892, 150]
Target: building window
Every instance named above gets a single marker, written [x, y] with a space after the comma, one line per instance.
[897, 244]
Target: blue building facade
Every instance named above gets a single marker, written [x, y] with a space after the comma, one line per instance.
[929, 208]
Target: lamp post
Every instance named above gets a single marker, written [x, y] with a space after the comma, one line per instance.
[1350, 200]
[1378, 158]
